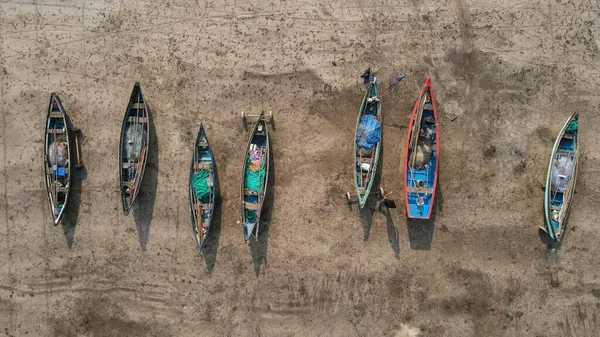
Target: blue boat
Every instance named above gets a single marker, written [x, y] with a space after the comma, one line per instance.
[560, 180]
[201, 189]
[421, 156]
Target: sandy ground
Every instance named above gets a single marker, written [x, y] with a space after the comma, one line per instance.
[506, 75]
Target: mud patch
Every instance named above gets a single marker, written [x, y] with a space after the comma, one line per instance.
[101, 317]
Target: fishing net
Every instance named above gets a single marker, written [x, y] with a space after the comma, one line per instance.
[561, 173]
[369, 132]
[201, 187]
[58, 153]
[419, 158]
[573, 126]
[255, 176]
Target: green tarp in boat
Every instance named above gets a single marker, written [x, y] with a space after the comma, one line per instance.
[200, 183]
[572, 127]
[255, 179]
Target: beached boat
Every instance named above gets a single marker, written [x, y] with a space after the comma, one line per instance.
[133, 149]
[367, 142]
[57, 158]
[202, 189]
[560, 180]
[255, 176]
[421, 156]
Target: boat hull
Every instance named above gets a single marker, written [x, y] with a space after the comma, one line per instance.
[133, 148]
[57, 159]
[421, 156]
[255, 176]
[202, 206]
[560, 179]
[366, 159]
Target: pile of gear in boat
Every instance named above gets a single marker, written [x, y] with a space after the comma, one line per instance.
[419, 157]
[369, 131]
[256, 173]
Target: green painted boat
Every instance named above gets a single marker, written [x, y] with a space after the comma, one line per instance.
[560, 180]
[367, 143]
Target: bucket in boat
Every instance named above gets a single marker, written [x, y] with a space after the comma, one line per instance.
[250, 216]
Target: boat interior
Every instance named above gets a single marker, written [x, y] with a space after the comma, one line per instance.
[422, 160]
[561, 187]
[58, 159]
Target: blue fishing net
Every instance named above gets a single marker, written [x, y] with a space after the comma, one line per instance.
[369, 132]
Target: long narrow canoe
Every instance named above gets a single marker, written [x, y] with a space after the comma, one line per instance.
[202, 189]
[57, 158]
[255, 176]
[421, 156]
[560, 180]
[367, 142]
[133, 149]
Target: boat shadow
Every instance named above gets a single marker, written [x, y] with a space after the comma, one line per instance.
[258, 247]
[420, 231]
[209, 252]
[79, 174]
[392, 231]
[143, 207]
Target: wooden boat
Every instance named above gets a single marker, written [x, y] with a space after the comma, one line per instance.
[421, 156]
[367, 143]
[57, 158]
[202, 189]
[255, 176]
[133, 149]
[560, 180]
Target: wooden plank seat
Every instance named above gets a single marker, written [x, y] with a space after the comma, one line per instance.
[252, 205]
[363, 160]
[427, 106]
[420, 190]
[137, 105]
[56, 114]
[138, 119]
[554, 207]
[429, 120]
[56, 131]
[569, 136]
[250, 192]
[564, 152]
[203, 143]
[203, 165]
